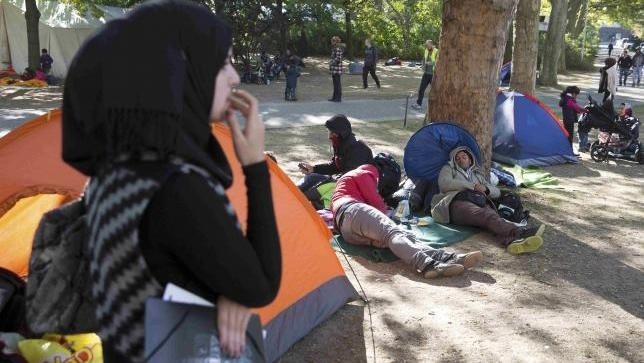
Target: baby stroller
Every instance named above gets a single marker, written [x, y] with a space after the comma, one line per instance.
[617, 139]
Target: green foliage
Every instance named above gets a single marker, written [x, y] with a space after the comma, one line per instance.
[576, 46]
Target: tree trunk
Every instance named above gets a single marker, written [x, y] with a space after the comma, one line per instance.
[349, 29]
[526, 47]
[562, 57]
[509, 45]
[281, 19]
[552, 47]
[32, 15]
[466, 76]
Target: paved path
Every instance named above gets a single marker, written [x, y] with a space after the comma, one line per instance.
[18, 105]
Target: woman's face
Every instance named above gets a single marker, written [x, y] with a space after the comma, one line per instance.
[226, 79]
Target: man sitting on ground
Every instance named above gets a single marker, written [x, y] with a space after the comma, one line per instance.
[463, 200]
[359, 216]
[348, 154]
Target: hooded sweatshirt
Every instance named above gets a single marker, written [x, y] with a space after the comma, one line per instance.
[358, 185]
[348, 152]
[453, 179]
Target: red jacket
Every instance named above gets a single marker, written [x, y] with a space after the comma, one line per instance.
[358, 185]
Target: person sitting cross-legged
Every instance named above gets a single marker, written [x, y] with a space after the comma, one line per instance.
[359, 215]
[463, 200]
[348, 154]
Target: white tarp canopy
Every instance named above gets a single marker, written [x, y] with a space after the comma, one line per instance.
[62, 30]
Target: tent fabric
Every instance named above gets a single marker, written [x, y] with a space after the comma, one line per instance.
[61, 30]
[313, 282]
[428, 149]
[526, 132]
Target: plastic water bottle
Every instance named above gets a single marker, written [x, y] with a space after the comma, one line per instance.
[402, 211]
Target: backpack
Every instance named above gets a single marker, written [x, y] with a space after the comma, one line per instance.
[59, 297]
[510, 208]
[390, 174]
[12, 301]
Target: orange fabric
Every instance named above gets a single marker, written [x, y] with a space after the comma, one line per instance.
[31, 165]
[19, 224]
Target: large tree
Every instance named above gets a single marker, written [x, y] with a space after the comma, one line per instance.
[32, 16]
[554, 43]
[526, 46]
[467, 71]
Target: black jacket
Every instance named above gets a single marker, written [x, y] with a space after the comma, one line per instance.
[625, 61]
[349, 154]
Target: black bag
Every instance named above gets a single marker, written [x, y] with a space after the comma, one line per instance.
[390, 174]
[510, 208]
[12, 301]
[59, 296]
[472, 196]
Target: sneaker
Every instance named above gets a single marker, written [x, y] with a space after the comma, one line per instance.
[529, 244]
[416, 106]
[532, 231]
[443, 270]
[467, 260]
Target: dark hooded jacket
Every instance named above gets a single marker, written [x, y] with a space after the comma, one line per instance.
[348, 152]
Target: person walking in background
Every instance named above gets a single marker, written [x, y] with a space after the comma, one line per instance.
[610, 48]
[45, 61]
[429, 60]
[625, 62]
[570, 109]
[608, 79]
[370, 61]
[638, 63]
[292, 73]
[335, 66]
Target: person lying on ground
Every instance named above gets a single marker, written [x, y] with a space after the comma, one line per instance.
[463, 200]
[359, 216]
[137, 113]
[348, 154]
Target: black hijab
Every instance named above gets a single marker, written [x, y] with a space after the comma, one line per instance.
[146, 83]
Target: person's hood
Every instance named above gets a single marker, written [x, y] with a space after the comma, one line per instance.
[456, 150]
[340, 125]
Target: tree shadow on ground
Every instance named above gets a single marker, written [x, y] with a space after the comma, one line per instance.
[338, 339]
[589, 268]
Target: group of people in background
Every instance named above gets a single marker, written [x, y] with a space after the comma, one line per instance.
[630, 66]
[291, 66]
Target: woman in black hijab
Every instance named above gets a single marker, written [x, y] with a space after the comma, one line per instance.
[139, 99]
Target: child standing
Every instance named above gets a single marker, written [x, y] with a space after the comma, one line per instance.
[570, 109]
[292, 72]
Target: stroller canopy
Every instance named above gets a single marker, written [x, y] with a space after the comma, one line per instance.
[428, 149]
[526, 132]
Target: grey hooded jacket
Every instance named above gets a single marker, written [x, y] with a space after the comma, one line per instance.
[453, 180]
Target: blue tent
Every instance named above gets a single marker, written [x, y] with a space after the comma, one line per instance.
[527, 132]
[504, 74]
[428, 149]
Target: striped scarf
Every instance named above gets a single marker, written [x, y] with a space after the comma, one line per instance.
[121, 279]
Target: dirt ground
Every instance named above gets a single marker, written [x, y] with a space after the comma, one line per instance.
[580, 298]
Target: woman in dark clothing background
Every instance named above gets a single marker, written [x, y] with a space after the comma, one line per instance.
[569, 110]
[139, 99]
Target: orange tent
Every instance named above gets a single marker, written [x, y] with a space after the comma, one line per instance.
[34, 179]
